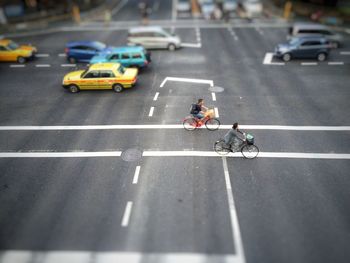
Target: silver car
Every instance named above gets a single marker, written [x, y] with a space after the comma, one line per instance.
[153, 37]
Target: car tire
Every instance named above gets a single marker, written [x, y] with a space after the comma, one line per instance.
[118, 88]
[286, 57]
[171, 47]
[21, 60]
[72, 60]
[73, 89]
[321, 56]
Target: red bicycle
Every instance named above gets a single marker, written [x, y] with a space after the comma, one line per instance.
[191, 123]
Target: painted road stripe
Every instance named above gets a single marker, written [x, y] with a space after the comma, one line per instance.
[216, 112]
[17, 66]
[259, 30]
[309, 63]
[62, 55]
[127, 213]
[170, 126]
[345, 53]
[43, 65]
[236, 232]
[156, 96]
[335, 63]
[68, 65]
[75, 256]
[42, 55]
[136, 175]
[213, 96]
[201, 81]
[294, 155]
[150, 114]
[268, 60]
[197, 45]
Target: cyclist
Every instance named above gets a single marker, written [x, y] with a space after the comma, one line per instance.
[234, 137]
[197, 109]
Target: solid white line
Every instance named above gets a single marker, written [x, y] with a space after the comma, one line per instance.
[335, 63]
[268, 58]
[174, 11]
[184, 153]
[62, 55]
[43, 66]
[58, 154]
[74, 256]
[156, 96]
[197, 45]
[170, 126]
[127, 213]
[42, 55]
[68, 65]
[216, 112]
[236, 232]
[150, 114]
[17, 66]
[345, 53]
[136, 175]
[203, 81]
[213, 96]
[309, 63]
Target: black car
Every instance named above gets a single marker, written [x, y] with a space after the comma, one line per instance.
[305, 47]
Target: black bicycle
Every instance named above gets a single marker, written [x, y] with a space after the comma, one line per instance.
[248, 149]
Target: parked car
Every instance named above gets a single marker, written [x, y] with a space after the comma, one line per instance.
[306, 47]
[11, 51]
[230, 5]
[207, 8]
[183, 6]
[83, 51]
[101, 76]
[127, 56]
[153, 37]
[252, 7]
[307, 29]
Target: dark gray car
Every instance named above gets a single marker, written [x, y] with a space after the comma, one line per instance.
[306, 47]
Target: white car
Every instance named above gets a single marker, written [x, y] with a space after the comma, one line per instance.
[207, 7]
[230, 5]
[183, 6]
[253, 7]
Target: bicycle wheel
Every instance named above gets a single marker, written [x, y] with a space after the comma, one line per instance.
[221, 148]
[189, 124]
[212, 124]
[250, 151]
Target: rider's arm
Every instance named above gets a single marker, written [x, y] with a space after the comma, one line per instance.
[243, 133]
[205, 108]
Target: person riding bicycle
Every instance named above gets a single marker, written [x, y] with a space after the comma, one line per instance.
[234, 137]
[197, 109]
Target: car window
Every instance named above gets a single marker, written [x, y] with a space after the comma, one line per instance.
[12, 45]
[92, 75]
[106, 74]
[311, 43]
[159, 35]
[136, 55]
[125, 56]
[79, 47]
[91, 49]
[114, 56]
[121, 70]
[2, 48]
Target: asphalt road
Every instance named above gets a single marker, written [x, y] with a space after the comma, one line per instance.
[176, 209]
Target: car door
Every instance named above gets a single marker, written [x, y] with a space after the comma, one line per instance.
[161, 40]
[125, 59]
[5, 54]
[90, 80]
[114, 58]
[137, 59]
[106, 80]
[303, 49]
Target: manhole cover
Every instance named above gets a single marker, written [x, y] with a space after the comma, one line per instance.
[131, 155]
[216, 89]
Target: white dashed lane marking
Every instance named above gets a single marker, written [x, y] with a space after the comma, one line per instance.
[62, 55]
[216, 112]
[336, 63]
[156, 96]
[309, 63]
[17, 66]
[42, 55]
[43, 65]
[213, 96]
[68, 65]
[150, 114]
[345, 53]
[127, 213]
[136, 175]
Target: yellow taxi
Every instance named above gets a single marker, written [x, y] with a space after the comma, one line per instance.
[101, 76]
[11, 51]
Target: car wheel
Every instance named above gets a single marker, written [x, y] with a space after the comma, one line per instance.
[171, 47]
[287, 57]
[73, 88]
[72, 60]
[118, 88]
[321, 57]
[21, 60]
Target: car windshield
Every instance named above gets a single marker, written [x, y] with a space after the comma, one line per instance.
[13, 45]
[294, 41]
[121, 70]
[84, 72]
[99, 45]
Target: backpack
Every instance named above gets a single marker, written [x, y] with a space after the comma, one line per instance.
[194, 109]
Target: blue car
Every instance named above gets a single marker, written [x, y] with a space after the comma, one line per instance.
[127, 56]
[83, 51]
